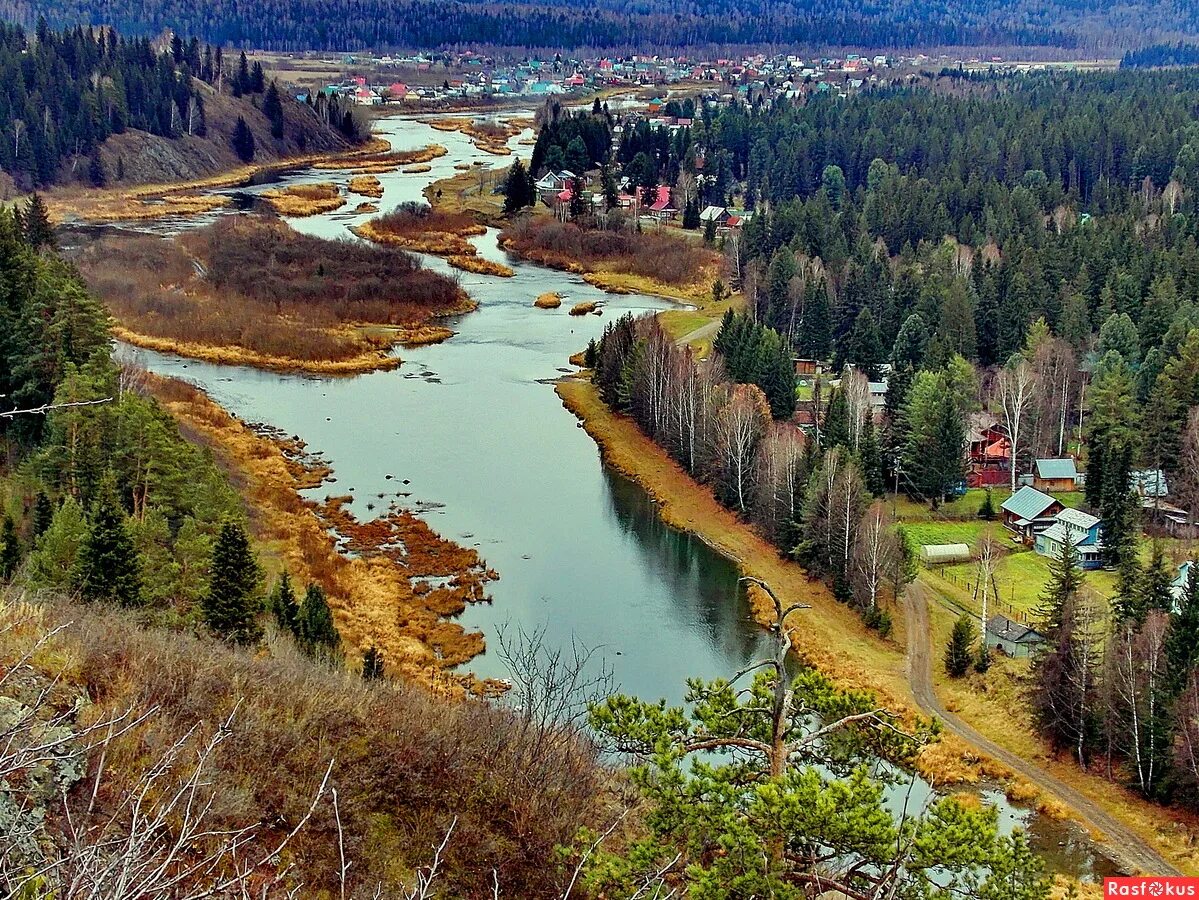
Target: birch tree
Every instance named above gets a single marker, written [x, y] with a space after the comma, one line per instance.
[1138, 713]
[1015, 388]
[988, 555]
[739, 427]
[875, 552]
[856, 389]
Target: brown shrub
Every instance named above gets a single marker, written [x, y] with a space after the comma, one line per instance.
[406, 763]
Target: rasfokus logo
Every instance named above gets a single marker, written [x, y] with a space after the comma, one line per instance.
[1151, 887]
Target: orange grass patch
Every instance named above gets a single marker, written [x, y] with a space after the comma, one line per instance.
[480, 266]
[300, 200]
[366, 185]
[371, 595]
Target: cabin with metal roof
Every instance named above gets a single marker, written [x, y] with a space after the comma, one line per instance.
[1028, 512]
[1012, 638]
[1055, 475]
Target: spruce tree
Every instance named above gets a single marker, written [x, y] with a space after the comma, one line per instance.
[272, 108]
[243, 141]
[870, 458]
[986, 512]
[1182, 641]
[284, 606]
[43, 514]
[316, 622]
[108, 567]
[36, 227]
[231, 605]
[372, 664]
[516, 189]
[1155, 582]
[10, 549]
[958, 653]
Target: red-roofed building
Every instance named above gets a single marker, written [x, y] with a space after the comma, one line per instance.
[398, 91]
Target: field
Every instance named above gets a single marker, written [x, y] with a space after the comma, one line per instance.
[267, 297]
[471, 191]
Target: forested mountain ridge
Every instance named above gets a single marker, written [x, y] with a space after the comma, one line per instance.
[90, 104]
[291, 25]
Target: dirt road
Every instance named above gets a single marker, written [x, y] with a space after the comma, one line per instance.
[1125, 846]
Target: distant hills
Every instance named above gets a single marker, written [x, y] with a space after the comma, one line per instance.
[1094, 27]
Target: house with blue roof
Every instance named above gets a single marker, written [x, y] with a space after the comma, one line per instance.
[1028, 512]
[1081, 529]
[1178, 586]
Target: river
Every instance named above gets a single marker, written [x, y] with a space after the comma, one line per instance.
[472, 434]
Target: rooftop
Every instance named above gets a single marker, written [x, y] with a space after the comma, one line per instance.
[1057, 468]
[1028, 503]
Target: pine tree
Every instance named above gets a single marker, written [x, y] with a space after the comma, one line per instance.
[372, 664]
[107, 564]
[710, 232]
[316, 622]
[257, 78]
[871, 460]
[231, 605]
[95, 171]
[1156, 593]
[243, 141]
[36, 227]
[10, 549]
[958, 653]
[284, 606]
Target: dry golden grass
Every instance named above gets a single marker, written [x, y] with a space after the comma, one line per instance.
[376, 162]
[423, 231]
[421, 335]
[366, 208]
[299, 200]
[366, 185]
[372, 595]
[490, 137]
[124, 209]
[91, 205]
[550, 300]
[370, 359]
[480, 266]
[417, 170]
[582, 309]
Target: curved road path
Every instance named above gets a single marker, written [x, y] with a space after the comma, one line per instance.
[1125, 846]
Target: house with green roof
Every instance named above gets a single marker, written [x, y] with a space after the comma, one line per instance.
[1055, 475]
[1028, 512]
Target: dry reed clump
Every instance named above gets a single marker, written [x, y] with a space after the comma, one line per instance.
[423, 230]
[416, 170]
[564, 245]
[300, 200]
[371, 594]
[386, 161]
[480, 266]
[582, 309]
[549, 300]
[269, 297]
[422, 335]
[366, 208]
[125, 209]
[366, 186]
[489, 136]
[406, 762]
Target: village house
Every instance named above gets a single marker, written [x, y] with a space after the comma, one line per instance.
[1178, 586]
[1060, 475]
[989, 451]
[1012, 638]
[1081, 529]
[1028, 512]
[551, 184]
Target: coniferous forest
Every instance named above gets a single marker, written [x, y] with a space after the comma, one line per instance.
[337, 25]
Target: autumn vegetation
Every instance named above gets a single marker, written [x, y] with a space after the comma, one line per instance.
[268, 296]
[660, 261]
[299, 200]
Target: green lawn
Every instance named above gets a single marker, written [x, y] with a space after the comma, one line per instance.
[1021, 578]
[965, 532]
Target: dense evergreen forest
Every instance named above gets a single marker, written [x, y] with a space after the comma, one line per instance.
[339, 25]
[64, 93]
[1161, 55]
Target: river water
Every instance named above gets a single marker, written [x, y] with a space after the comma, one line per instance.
[471, 433]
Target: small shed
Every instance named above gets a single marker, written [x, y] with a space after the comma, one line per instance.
[1012, 638]
[944, 554]
[1055, 475]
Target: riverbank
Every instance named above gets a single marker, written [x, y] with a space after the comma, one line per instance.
[858, 659]
[149, 201]
[382, 596]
